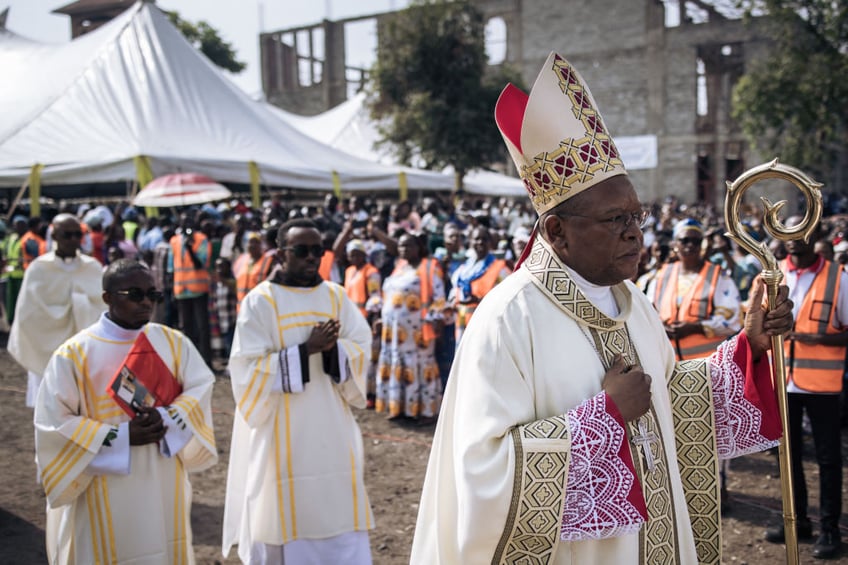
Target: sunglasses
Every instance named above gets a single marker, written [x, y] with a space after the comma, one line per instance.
[71, 234]
[301, 251]
[137, 295]
[690, 240]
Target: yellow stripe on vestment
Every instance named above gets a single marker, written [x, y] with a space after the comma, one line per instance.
[194, 414]
[83, 424]
[286, 399]
[265, 374]
[180, 518]
[334, 301]
[72, 457]
[360, 356]
[250, 384]
[353, 488]
[92, 524]
[112, 341]
[170, 338]
[101, 529]
[104, 488]
[296, 325]
[279, 481]
[111, 415]
[85, 431]
[304, 313]
[79, 360]
[68, 353]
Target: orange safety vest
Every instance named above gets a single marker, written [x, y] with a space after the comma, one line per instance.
[248, 274]
[326, 267]
[817, 368]
[695, 306]
[27, 257]
[186, 277]
[356, 284]
[480, 287]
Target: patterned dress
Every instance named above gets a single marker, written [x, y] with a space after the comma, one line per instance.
[408, 380]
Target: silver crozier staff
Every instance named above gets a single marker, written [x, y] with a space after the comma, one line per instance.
[772, 276]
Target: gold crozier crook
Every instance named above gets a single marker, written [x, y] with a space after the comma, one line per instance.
[772, 276]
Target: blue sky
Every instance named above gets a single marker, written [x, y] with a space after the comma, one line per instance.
[238, 21]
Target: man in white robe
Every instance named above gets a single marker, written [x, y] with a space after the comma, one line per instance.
[60, 296]
[568, 433]
[295, 491]
[117, 488]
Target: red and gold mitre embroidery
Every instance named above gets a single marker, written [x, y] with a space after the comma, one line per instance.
[556, 135]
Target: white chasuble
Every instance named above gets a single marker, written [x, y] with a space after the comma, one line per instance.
[58, 299]
[531, 461]
[140, 514]
[296, 458]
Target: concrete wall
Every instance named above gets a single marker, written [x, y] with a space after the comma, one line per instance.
[641, 74]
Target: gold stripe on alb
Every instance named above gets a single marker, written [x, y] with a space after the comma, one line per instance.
[69, 444]
[74, 456]
[279, 482]
[104, 545]
[289, 465]
[354, 490]
[70, 454]
[246, 396]
[266, 372]
[107, 509]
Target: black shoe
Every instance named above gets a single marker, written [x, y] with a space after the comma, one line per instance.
[827, 545]
[776, 534]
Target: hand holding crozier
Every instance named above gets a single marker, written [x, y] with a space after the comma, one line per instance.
[761, 324]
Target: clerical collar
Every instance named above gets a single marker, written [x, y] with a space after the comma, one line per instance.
[556, 280]
[108, 329]
[817, 266]
[600, 296]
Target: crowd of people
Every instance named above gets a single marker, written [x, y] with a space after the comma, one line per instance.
[415, 274]
[581, 344]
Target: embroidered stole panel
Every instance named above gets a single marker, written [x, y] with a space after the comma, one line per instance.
[690, 390]
[658, 540]
[538, 493]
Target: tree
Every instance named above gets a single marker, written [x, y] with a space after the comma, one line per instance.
[793, 103]
[433, 93]
[205, 38]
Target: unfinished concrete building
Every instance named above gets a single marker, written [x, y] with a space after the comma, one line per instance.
[656, 68]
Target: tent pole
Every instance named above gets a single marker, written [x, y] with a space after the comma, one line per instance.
[17, 200]
[35, 190]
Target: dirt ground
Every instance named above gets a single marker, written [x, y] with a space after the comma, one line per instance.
[396, 458]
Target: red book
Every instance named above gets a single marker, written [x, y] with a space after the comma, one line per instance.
[143, 379]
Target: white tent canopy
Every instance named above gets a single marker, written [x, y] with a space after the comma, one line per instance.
[349, 127]
[88, 109]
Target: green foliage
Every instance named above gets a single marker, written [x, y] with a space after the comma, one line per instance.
[433, 93]
[794, 103]
[205, 38]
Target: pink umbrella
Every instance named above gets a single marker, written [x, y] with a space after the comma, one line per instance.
[181, 189]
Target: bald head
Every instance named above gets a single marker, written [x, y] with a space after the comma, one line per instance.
[67, 232]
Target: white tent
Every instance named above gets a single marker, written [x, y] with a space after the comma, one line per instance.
[134, 99]
[349, 127]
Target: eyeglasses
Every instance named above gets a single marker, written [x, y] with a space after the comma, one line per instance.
[137, 295]
[620, 223]
[301, 251]
[70, 234]
[690, 240]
